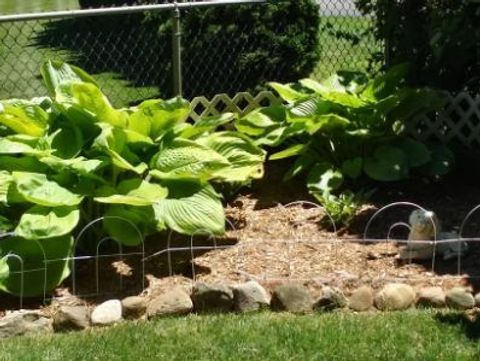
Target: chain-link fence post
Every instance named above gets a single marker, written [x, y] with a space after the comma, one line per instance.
[176, 52]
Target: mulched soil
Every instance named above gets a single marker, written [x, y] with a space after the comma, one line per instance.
[273, 243]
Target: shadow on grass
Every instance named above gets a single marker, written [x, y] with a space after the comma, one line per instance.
[137, 52]
[469, 325]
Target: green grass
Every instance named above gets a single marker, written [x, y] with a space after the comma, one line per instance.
[412, 335]
[338, 53]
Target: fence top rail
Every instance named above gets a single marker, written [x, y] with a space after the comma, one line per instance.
[121, 10]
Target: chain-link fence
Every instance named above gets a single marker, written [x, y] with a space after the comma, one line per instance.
[133, 55]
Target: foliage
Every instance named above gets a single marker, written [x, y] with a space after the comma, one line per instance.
[440, 38]
[70, 158]
[254, 42]
[348, 126]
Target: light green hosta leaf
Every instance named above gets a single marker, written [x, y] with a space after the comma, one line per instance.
[387, 164]
[36, 188]
[334, 94]
[287, 92]
[184, 158]
[207, 125]
[385, 84]
[91, 99]
[112, 142]
[160, 114]
[81, 166]
[245, 157]
[324, 179]
[41, 222]
[5, 180]
[55, 73]
[29, 119]
[291, 151]
[8, 146]
[136, 192]
[129, 225]
[326, 123]
[191, 207]
[33, 254]
[307, 109]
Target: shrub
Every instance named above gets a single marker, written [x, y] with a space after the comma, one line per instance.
[234, 48]
[440, 38]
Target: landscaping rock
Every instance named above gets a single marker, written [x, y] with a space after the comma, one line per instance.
[107, 313]
[212, 297]
[477, 299]
[24, 322]
[431, 297]
[292, 297]
[134, 307]
[395, 296]
[361, 299]
[173, 302]
[71, 318]
[459, 298]
[250, 296]
[331, 299]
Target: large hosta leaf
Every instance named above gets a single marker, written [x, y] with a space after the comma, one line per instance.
[129, 225]
[191, 207]
[184, 158]
[136, 192]
[36, 188]
[206, 125]
[8, 146]
[55, 73]
[324, 179]
[29, 119]
[245, 157]
[81, 166]
[287, 92]
[387, 164]
[42, 222]
[5, 180]
[34, 254]
[154, 117]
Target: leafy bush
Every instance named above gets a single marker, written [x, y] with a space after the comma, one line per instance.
[226, 49]
[440, 38]
[345, 127]
[71, 158]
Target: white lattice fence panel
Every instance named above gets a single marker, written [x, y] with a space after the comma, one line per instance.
[241, 103]
[458, 122]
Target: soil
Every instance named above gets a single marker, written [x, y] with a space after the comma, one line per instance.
[274, 242]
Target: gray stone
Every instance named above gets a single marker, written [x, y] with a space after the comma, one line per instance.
[292, 297]
[107, 313]
[395, 296]
[250, 296]
[71, 318]
[212, 297]
[460, 298]
[134, 307]
[331, 299]
[431, 297]
[24, 322]
[477, 300]
[361, 299]
[172, 302]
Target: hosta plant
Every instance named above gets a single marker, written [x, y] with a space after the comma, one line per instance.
[70, 158]
[346, 127]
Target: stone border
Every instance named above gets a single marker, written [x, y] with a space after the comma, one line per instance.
[222, 298]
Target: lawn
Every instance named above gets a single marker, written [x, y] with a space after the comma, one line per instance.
[411, 335]
[338, 49]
